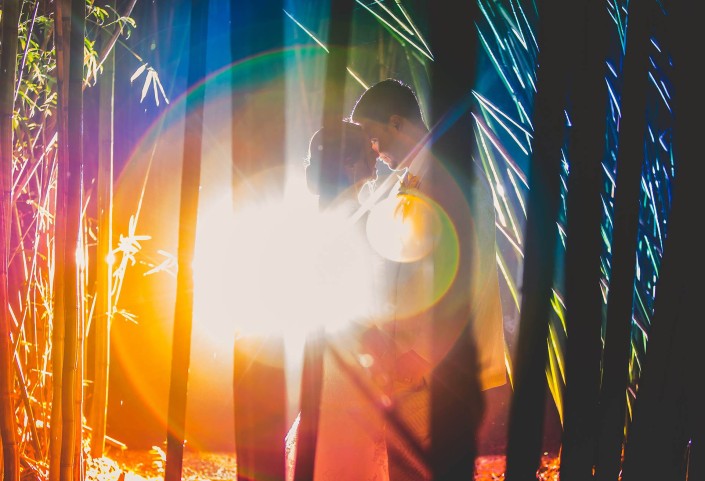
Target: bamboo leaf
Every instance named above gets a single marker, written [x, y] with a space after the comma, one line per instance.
[154, 88]
[165, 265]
[147, 82]
[161, 88]
[138, 72]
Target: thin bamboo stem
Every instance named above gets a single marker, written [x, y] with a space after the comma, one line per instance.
[615, 358]
[104, 284]
[72, 368]
[190, 181]
[8, 68]
[62, 29]
[527, 409]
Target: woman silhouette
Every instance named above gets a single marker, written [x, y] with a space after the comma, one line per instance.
[340, 165]
[348, 424]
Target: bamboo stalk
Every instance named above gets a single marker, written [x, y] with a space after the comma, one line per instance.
[667, 421]
[8, 68]
[311, 387]
[336, 64]
[615, 358]
[71, 387]
[260, 425]
[190, 181]
[527, 408]
[104, 284]
[333, 111]
[583, 299]
[456, 405]
[62, 29]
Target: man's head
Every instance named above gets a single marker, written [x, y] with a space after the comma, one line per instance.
[390, 115]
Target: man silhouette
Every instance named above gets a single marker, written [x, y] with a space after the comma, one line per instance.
[441, 277]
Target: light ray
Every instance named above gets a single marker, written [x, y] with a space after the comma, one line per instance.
[391, 14]
[395, 30]
[499, 148]
[413, 26]
[493, 111]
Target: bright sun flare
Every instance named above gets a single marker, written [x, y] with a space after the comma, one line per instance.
[284, 268]
[278, 268]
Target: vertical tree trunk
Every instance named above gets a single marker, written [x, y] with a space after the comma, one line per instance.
[456, 401]
[8, 68]
[527, 409]
[62, 29]
[311, 388]
[104, 304]
[259, 394]
[312, 378]
[583, 296]
[71, 397]
[260, 421]
[666, 436]
[630, 156]
[248, 20]
[190, 182]
[336, 63]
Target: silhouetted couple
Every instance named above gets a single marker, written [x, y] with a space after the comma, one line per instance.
[437, 316]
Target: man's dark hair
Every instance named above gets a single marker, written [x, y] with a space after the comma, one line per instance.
[386, 98]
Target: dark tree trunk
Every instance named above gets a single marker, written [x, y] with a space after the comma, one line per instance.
[666, 436]
[190, 182]
[584, 244]
[311, 388]
[615, 368]
[456, 401]
[259, 397]
[254, 148]
[333, 113]
[527, 408]
[260, 414]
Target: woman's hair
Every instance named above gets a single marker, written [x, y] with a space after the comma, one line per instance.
[329, 151]
[386, 98]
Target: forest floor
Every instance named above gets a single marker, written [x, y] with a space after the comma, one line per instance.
[149, 466]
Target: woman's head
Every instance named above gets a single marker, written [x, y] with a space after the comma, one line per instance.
[339, 157]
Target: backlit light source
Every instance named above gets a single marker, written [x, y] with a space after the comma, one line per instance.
[279, 268]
